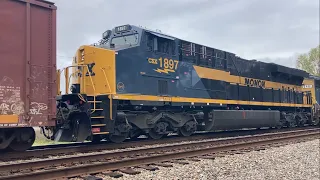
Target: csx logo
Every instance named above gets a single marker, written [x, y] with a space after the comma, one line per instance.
[89, 70]
[255, 82]
[152, 61]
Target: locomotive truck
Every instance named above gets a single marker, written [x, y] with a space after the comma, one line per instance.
[136, 81]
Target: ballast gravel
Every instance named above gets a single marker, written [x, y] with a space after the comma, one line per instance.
[295, 161]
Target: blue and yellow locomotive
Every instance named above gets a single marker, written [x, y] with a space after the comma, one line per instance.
[137, 81]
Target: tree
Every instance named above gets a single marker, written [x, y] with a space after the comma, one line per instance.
[310, 61]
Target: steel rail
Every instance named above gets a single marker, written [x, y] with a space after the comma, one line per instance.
[54, 150]
[59, 149]
[147, 155]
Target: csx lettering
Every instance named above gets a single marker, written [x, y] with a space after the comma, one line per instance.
[152, 61]
[255, 82]
[90, 68]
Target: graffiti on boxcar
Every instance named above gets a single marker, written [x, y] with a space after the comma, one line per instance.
[17, 107]
[37, 108]
[10, 100]
[39, 86]
[4, 108]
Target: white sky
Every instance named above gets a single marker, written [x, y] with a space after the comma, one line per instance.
[267, 30]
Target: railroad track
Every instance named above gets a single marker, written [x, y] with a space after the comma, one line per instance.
[69, 149]
[124, 160]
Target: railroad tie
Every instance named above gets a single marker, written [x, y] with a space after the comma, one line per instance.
[163, 164]
[129, 171]
[112, 174]
[150, 168]
[92, 178]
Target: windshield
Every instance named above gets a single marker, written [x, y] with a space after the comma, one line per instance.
[125, 40]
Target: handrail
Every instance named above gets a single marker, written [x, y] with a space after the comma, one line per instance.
[66, 69]
[105, 75]
[94, 90]
[110, 97]
[58, 82]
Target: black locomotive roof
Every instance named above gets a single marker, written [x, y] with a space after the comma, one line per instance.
[315, 77]
[275, 68]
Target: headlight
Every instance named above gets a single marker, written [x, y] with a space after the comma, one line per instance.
[82, 55]
[106, 34]
[73, 88]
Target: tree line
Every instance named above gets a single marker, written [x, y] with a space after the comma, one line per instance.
[310, 61]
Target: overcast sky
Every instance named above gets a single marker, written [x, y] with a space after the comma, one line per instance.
[268, 30]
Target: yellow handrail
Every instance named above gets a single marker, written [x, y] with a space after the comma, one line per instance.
[94, 90]
[110, 97]
[105, 76]
[58, 82]
[66, 69]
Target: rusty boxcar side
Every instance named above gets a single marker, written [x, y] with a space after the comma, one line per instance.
[27, 63]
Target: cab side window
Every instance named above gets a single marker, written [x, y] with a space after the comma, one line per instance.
[149, 40]
[159, 44]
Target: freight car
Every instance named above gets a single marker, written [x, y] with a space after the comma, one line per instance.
[27, 70]
[137, 81]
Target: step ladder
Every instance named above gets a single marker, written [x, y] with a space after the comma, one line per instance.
[98, 124]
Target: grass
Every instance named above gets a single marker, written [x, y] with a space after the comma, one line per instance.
[41, 140]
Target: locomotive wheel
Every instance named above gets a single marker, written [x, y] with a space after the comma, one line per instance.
[291, 124]
[135, 132]
[121, 132]
[155, 135]
[96, 139]
[159, 130]
[117, 138]
[187, 129]
[316, 122]
[25, 138]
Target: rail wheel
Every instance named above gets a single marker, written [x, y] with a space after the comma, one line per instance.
[120, 134]
[187, 129]
[96, 139]
[135, 132]
[290, 120]
[117, 138]
[159, 130]
[24, 139]
[316, 122]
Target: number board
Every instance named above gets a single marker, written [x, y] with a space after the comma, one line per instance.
[164, 65]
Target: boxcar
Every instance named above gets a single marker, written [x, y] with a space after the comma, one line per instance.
[27, 70]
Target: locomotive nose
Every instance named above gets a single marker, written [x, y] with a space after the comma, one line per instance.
[77, 130]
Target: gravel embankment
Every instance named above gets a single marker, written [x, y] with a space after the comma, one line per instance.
[295, 161]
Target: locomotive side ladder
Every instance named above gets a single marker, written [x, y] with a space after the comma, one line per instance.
[102, 109]
[98, 121]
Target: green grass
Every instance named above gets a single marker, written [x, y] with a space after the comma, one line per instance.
[41, 140]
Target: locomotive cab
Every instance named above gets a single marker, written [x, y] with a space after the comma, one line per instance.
[91, 82]
[119, 38]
